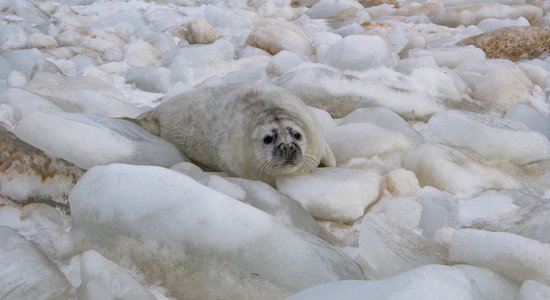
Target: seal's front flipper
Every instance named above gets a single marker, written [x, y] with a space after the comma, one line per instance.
[327, 157]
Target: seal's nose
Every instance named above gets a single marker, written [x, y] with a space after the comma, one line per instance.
[287, 148]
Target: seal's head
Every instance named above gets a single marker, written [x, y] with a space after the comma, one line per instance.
[282, 145]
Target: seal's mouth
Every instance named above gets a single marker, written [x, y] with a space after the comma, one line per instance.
[287, 154]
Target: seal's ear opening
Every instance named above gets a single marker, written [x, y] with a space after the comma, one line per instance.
[327, 157]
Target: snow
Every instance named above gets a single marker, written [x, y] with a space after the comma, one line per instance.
[442, 183]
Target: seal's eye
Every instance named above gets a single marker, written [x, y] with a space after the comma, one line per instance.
[297, 136]
[268, 139]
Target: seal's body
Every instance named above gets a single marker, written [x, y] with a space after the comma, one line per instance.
[252, 131]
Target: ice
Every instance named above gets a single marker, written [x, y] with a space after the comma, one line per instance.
[452, 171]
[157, 204]
[275, 35]
[130, 17]
[490, 284]
[401, 182]
[82, 94]
[199, 31]
[23, 60]
[485, 208]
[439, 210]
[493, 138]
[281, 207]
[13, 36]
[100, 275]
[385, 118]
[407, 65]
[530, 117]
[140, 53]
[26, 272]
[450, 56]
[24, 103]
[501, 88]
[31, 13]
[4, 68]
[358, 52]
[283, 62]
[526, 215]
[152, 79]
[491, 24]
[323, 118]
[388, 248]
[340, 94]
[533, 290]
[364, 140]
[89, 140]
[471, 14]
[511, 255]
[336, 194]
[431, 282]
[327, 9]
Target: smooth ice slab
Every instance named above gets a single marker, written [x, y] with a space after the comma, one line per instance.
[492, 137]
[431, 282]
[385, 118]
[511, 255]
[388, 248]
[336, 194]
[26, 273]
[452, 171]
[486, 208]
[533, 290]
[162, 205]
[358, 52]
[364, 140]
[89, 140]
[530, 117]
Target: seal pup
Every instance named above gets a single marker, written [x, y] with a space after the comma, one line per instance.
[255, 131]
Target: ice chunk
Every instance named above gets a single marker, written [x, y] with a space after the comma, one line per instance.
[23, 60]
[281, 207]
[452, 171]
[131, 17]
[439, 210]
[450, 56]
[140, 53]
[13, 36]
[26, 272]
[531, 217]
[152, 79]
[431, 282]
[23, 103]
[4, 68]
[82, 94]
[199, 31]
[471, 14]
[490, 284]
[407, 65]
[89, 140]
[388, 248]
[358, 52]
[275, 35]
[99, 273]
[336, 194]
[501, 88]
[493, 138]
[162, 205]
[31, 13]
[401, 182]
[340, 94]
[533, 290]
[385, 118]
[530, 117]
[323, 118]
[282, 62]
[485, 208]
[511, 255]
[364, 140]
[491, 24]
